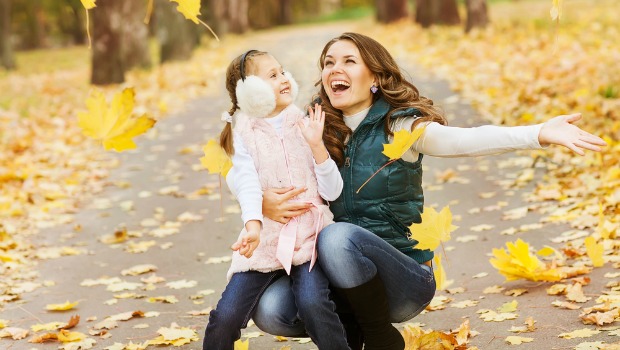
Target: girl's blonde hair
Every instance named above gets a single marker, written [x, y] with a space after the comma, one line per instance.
[233, 74]
[393, 87]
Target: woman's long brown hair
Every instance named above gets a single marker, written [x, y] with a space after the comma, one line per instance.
[393, 87]
[233, 74]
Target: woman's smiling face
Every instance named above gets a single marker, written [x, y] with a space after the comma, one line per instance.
[346, 78]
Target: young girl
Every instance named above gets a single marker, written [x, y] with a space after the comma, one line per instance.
[275, 146]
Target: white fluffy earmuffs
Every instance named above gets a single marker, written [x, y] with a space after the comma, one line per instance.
[255, 96]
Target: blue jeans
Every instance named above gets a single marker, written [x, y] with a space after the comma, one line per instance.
[309, 294]
[352, 256]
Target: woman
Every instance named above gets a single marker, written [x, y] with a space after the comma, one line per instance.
[366, 254]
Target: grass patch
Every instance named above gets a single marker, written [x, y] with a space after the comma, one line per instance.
[342, 14]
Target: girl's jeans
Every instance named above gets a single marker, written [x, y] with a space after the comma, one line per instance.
[351, 256]
[309, 293]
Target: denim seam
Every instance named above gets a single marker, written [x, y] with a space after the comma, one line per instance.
[248, 316]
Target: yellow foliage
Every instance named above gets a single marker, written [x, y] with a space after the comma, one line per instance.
[242, 345]
[441, 282]
[66, 336]
[113, 125]
[434, 228]
[595, 251]
[61, 307]
[215, 159]
[517, 263]
[88, 4]
[189, 8]
[403, 140]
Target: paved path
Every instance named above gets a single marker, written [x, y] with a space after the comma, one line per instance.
[169, 158]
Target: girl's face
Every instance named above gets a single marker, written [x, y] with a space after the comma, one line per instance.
[346, 78]
[267, 68]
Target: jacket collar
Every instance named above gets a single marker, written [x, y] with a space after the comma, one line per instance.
[380, 108]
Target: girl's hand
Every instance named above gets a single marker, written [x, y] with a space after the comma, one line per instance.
[313, 132]
[247, 243]
[561, 131]
[277, 204]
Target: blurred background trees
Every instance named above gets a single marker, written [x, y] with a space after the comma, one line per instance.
[122, 40]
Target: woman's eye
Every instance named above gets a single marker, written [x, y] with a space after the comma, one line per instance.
[329, 63]
[350, 61]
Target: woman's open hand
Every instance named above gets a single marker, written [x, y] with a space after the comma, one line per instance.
[277, 204]
[561, 131]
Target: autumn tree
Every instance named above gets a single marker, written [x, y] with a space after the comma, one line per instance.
[429, 12]
[237, 15]
[108, 66]
[391, 10]
[177, 36]
[6, 51]
[135, 43]
[477, 14]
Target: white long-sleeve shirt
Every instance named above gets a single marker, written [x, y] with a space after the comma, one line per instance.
[244, 182]
[437, 140]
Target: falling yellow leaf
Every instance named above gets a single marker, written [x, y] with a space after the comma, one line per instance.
[434, 228]
[88, 4]
[61, 307]
[114, 124]
[189, 8]
[556, 10]
[595, 251]
[215, 159]
[403, 140]
[440, 274]
[518, 262]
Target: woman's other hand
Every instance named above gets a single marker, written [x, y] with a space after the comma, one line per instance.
[561, 131]
[277, 204]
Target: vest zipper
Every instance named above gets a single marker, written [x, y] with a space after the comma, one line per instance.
[347, 162]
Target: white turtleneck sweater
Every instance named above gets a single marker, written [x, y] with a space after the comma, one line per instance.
[437, 140]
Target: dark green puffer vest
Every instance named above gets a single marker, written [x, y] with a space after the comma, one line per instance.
[389, 203]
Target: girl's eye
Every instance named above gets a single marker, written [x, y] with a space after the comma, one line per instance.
[273, 75]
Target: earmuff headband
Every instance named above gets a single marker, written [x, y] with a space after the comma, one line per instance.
[242, 65]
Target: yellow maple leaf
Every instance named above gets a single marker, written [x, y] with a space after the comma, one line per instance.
[113, 125]
[242, 345]
[595, 251]
[61, 307]
[66, 336]
[403, 140]
[441, 282]
[517, 262]
[434, 228]
[556, 10]
[88, 4]
[215, 159]
[189, 8]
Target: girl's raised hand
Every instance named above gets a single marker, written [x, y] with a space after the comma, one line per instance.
[561, 131]
[313, 131]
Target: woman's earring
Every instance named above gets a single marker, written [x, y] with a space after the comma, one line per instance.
[374, 89]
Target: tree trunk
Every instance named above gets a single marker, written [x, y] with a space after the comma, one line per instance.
[477, 14]
[7, 60]
[177, 35]
[77, 26]
[391, 10]
[217, 16]
[136, 52]
[238, 16]
[263, 13]
[107, 64]
[286, 11]
[448, 13]
[425, 12]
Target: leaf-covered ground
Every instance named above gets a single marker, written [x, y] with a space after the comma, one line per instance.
[522, 69]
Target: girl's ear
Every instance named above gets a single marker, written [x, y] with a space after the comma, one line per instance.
[255, 97]
[294, 86]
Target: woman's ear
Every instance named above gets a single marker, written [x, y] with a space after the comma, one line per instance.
[294, 86]
[255, 97]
